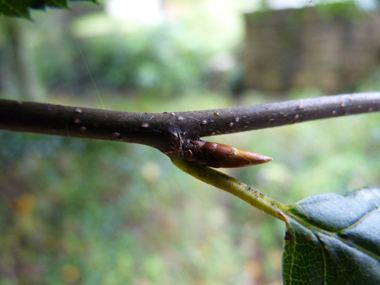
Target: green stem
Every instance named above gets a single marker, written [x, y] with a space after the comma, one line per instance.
[233, 186]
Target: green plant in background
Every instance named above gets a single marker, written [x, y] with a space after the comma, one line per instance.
[312, 230]
[171, 59]
[149, 61]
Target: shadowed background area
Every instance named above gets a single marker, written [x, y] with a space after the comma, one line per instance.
[93, 212]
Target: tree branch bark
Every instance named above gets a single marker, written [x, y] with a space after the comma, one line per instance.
[168, 131]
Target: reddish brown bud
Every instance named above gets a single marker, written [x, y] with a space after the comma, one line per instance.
[221, 155]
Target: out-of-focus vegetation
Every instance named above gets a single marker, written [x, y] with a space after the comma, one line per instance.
[92, 212]
[127, 56]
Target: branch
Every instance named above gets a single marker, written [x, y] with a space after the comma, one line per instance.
[167, 131]
[247, 118]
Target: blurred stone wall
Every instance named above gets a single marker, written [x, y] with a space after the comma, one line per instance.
[299, 48]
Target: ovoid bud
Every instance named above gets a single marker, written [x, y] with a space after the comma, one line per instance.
[221, 155]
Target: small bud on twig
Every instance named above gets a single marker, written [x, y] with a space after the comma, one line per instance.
[221, 155]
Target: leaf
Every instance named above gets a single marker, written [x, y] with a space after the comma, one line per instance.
[22, 8]
[331, 239]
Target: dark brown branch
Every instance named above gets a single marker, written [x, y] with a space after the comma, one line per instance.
[247, 118]
[142, 128]
[164, 131]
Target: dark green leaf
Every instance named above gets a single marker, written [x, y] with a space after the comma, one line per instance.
[15, 9]
[333, 239]
[21, 8]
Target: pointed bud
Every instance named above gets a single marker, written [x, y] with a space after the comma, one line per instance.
[221, 155]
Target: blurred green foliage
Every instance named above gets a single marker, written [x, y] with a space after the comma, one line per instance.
[144, 61]
[348, 9]
[92, 212]
[128, 57]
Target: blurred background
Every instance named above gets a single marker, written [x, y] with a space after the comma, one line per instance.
[93, 212]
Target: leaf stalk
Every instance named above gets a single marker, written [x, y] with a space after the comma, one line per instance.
[232, 186]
